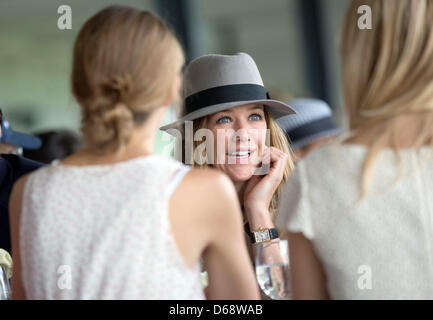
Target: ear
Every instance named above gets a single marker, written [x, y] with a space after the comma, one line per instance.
[174, 91]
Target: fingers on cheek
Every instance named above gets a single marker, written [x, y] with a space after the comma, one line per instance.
[277, 158]
[282, 163]
[284, 156]
[265, 162]
[278, 153]
[275, 155]
[266, 159]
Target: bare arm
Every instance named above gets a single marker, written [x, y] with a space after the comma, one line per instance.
[258, 195]
[206, 205]
[308, 278]
[231, 274]
[15, 199]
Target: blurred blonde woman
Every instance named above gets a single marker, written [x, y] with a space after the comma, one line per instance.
[113, 221]
[233, 116]
[360, 211]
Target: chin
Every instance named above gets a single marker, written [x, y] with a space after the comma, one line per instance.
[238, 173]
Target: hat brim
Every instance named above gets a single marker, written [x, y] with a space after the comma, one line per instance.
[22, 140]
[277, 109]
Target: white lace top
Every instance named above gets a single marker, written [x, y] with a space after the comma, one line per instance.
[379, 248]
[103, 232]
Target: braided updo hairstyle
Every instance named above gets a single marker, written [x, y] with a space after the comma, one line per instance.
[124, 65]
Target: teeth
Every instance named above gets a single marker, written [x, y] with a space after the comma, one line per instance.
[240, 154]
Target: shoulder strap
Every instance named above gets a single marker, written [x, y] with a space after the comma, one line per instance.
[177, 178]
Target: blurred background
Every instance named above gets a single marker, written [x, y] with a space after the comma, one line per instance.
[294, 43]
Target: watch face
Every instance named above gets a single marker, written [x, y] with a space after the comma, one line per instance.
[262, 236]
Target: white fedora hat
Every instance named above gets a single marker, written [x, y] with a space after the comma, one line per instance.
[213, 83]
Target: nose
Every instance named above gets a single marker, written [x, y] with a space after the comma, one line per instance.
[241, 133]
[241, 136]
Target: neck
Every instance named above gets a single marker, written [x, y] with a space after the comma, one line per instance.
[132, 150]
[141, 143]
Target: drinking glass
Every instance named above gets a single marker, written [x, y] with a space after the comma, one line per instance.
[5, 288]
[273, 269]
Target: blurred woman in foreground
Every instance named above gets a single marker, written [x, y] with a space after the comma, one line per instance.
[360, 211]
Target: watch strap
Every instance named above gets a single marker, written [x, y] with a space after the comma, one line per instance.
[273, 233]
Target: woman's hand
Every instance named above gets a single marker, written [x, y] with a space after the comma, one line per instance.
[260, 188]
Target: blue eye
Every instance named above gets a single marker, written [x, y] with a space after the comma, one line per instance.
[223, 120]
[255, 117]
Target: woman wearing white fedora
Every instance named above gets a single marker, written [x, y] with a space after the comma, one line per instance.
[225, 95]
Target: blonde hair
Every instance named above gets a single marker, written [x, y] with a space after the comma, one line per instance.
[387, 71]
[277, 139]
[124, 65]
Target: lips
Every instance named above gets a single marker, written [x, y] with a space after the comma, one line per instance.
[241, 155]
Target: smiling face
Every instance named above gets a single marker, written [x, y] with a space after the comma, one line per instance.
[239, 140]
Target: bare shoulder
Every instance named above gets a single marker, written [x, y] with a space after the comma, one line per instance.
[208, 175]
[207, 193]
[16, 197]
[202, 204]
[209, 184]
[18, 187]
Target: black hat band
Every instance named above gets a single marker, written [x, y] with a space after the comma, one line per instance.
[225, 94]
[311, 128]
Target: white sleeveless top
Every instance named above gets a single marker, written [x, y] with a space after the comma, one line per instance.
[379, 248]
[103, 232]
